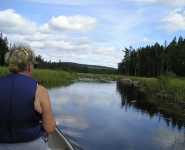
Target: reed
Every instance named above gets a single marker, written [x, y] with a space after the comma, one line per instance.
[49, 78]
[174, 86]
[164, 95]
[53, 78]
[171, 87]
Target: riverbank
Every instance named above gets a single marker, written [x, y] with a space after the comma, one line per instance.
[53, 78]
[165, 95]
[162, 86]
[49, 78]
[172, 88]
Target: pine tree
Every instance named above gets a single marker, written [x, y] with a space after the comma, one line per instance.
[3, 48]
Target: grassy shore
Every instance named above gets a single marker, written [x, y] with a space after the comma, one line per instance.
[165, 94]
[49, 78]
[167, 87]
[173, 87]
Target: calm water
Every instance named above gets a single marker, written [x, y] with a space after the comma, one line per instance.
[93, 116]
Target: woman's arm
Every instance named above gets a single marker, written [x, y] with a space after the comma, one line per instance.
[43, 98]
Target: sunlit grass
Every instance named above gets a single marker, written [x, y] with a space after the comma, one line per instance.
[175, 86]
[3, 71]
[52, 78]
[49, 78]
[151, 84]
[164, 85]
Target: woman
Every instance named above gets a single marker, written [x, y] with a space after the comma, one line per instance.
[25, 108]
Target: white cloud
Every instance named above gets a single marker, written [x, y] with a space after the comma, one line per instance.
[53, 41]
[11, 22]
[175, 21]
[72, 23]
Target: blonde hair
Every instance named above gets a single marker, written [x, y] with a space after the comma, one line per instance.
[19, 57]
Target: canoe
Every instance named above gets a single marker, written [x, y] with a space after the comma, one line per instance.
[57, 141]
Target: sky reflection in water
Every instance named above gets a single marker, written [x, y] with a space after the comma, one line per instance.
[92, 114]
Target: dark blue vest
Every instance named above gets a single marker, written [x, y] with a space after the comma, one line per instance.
[19, 122]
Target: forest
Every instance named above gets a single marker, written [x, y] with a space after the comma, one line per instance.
[155, 60]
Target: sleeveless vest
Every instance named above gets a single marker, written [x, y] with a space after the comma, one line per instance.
[19, 122]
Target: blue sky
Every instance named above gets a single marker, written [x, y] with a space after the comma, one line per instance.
[90, 31]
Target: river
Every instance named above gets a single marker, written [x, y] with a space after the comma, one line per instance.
[92, 115]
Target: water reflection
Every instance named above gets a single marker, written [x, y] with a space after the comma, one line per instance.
[131, 98]
[93, 115]
[171, 141]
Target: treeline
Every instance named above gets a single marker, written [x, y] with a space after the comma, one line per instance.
[43, 64]
[155, 60]
[3, 48]
[70, 66]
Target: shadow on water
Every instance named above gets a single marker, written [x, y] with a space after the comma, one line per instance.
[130, 97]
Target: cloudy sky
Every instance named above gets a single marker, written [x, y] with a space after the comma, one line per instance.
[90, 31]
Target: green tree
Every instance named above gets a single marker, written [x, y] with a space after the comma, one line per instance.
[3, 48]
[155, 60]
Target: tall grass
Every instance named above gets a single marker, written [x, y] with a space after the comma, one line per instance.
[3, 71]
[150, 84]
[173, 87]
[164, 95]
[49, 78]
